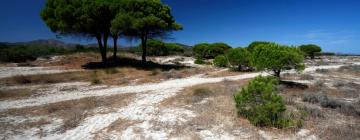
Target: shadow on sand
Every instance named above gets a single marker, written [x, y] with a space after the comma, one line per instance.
[291, 84]
[133, 63]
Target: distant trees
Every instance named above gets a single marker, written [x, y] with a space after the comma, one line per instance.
[310, 50]
[143, 19]
[276, 58]
[206, 50]
[238, 58]
[221, 61]
[159, 48]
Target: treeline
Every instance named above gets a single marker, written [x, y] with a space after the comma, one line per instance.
[22, 53]
[258, 55]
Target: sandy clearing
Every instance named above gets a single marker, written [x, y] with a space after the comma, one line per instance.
[143, 109]
[113, 90]
[15, 71]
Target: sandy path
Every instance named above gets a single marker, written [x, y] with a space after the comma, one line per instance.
[14, 71]
[111, 90]
[143, 108]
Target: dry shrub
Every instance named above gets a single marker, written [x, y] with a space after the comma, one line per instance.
[46, 78]
[200, 93]
[341, 132]
[306, 77]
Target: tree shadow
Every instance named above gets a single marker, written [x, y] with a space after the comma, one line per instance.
[133, 63]
[291, 84]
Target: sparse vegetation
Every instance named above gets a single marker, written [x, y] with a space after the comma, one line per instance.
[95, 79]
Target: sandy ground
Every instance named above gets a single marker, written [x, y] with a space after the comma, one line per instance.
[144, 108]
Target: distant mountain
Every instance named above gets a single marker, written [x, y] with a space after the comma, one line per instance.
[45, 42]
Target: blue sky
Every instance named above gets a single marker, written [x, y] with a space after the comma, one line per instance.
[333, 24]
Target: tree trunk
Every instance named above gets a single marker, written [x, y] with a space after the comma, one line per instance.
[277, 73]
[143, 46]
[101, 48]
[115, 46]
[106, 36]
[312, 55]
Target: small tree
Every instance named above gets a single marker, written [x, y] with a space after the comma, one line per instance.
[261, 103]
[220, 61]
[238, 57]
[156, 48]
[216, 49]
[276, 58]
[310, 50]
[199, 49]
[150, 19]
[206, 51]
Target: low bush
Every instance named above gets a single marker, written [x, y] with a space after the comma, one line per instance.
[24, 53]
[220, 61]
[324, 71]
[209, 51]
[262, 105]
[201, 62]
[327, 102]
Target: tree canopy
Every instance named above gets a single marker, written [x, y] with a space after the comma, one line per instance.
[310, 49]
[206, 50]
[276, 58]
[238, 57]
[254, 44]
[149, 19]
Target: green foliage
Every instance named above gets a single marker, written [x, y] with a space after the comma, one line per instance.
[174, 48]
[238, 57]
[149, 19]
[201, 62]
[276, 58]
[24, 53]
[199, 49]
[156, 48]
[254, 44]
[261, 104]
[310, 50]
[206, 51]
[220, 61]
[159, 48]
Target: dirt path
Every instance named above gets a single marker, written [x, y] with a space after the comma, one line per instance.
[113, 90]
[143, 109]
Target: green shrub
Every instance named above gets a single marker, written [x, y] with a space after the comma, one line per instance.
[160, 48]
[239, 58]
[199, 61]
[260, 103]
[220, 61]
[208, 51]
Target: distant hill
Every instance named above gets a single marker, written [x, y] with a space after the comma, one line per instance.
[42, 42]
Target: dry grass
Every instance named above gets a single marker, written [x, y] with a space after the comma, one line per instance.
[46, 78]
[74, 61]
[72, 112]
[15, 94]
[214, 106]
